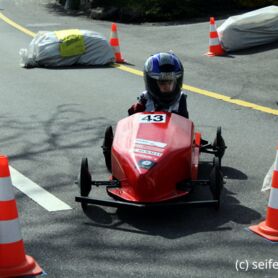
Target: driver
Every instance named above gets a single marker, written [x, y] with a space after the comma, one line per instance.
[163, 76]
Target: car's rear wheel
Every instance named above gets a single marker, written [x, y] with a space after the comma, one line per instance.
[219, 144]
[216, 181]
[107, 146]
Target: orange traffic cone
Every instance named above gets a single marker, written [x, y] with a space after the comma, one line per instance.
[269, 227]
[13, 261]
[215, 48]
[114, 42]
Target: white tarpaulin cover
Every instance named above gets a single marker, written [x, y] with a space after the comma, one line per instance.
[268, 179]
[250, 29]
[66, 48]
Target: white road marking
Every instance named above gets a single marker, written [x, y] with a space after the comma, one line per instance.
[268, 179]
[37, 193]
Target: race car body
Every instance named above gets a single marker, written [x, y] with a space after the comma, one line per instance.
[153, 159]
[151, 154]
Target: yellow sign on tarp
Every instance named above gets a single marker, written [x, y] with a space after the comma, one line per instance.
[71, 42]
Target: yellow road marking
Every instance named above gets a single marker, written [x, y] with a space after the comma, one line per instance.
[185, 87]
[128, 69]
[15, 25]
[231, 100]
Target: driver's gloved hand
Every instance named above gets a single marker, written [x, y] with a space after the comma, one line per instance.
[135, 108]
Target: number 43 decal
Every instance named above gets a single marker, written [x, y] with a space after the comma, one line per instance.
[152, 118]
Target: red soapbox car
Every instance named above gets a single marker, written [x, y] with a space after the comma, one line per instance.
[154, 161]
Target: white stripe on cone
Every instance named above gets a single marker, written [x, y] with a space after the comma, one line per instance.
[276, 162]
[6, 189]
[212, 28]
[10, 231]
[114, 35]
[273, 198]
[214, 41]
[116, 49]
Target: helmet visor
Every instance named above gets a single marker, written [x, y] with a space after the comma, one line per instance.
[166, 86]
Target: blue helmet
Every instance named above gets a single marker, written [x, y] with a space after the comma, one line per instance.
[164, 66]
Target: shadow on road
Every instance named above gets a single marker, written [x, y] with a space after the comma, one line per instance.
[175, 222]
[252, 50]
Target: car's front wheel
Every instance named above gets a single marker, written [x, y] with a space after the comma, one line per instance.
[216, 181]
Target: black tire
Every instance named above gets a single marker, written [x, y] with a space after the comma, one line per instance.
[219, 144]
[85, 179]
[216, 181]
[107, 147]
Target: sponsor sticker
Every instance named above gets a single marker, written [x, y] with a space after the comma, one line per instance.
[150, 143]
[148, 152]
[146, 164]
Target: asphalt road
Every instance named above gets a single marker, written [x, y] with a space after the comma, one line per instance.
[51, 118]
